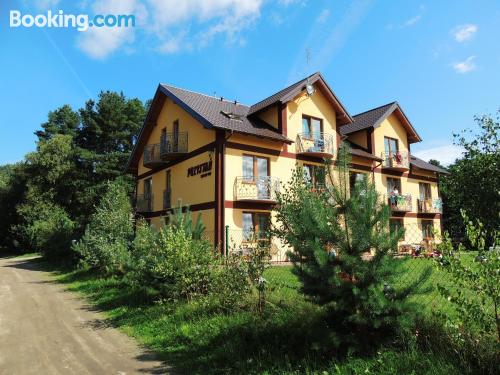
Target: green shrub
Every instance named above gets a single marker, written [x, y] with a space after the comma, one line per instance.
[105, 246]
[47, 228]
[172, 262]
[475, 291]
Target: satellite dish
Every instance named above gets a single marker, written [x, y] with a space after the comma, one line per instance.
[310, 89]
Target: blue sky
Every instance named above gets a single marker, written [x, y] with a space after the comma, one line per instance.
[440, 60]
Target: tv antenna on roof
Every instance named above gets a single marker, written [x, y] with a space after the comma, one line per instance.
[309, 87]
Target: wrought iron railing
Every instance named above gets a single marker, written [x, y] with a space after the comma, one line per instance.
[173, 143]
[167, 199]
[429, 205]
[400, 202]
[144, 203]
[152, 154]
[256, 188]
[320, 143]
[400, 159]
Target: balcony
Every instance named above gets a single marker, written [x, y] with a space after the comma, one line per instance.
[167, 199]
[430, 206]
[152, 157]
[173, 145]
[319, 145]
[400, 203]
[398, 161]
[256, 189]
[144, 203]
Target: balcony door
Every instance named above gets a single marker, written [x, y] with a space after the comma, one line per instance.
[175, 136]
[255, 225]
[168, 190]
[391, 146]
[256, 171]
[315, 175]
[148, 193]
[425, 191]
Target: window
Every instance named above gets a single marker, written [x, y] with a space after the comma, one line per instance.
[391, 146]
[425, 190]
[175, 136]
[255, 225]
[395, 225]
[148, 187]
[255, 166]
[148, 193]
[167, 195]
[312, 127]
[427, 229]
[393, 186]
[315, 175]
[354, 178]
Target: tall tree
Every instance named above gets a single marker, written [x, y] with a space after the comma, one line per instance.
[341, 242]
[61, 121]
[474, 179]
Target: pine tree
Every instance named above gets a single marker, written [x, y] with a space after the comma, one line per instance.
[341, 243]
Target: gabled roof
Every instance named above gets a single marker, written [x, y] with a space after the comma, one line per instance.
[375, 116]
[290, 92]
[420, 164]
[213, 112]
[210, 111]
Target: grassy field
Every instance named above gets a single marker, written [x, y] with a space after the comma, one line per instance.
[288, 339]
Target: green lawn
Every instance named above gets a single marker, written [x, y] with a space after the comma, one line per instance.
[288, 339]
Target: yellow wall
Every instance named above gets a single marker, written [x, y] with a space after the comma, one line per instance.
[198, 136]
[191, 190]
[316, 105]
[390, 127]
[359, 138]
[270, 116]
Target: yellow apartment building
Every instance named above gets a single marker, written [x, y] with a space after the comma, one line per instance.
[227, 160]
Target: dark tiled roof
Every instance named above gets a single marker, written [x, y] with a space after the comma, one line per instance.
[210, 111]
[357, 150]
[368, 119]
[282, 94]
[419, 163]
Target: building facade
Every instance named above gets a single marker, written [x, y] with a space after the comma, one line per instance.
[226, 161]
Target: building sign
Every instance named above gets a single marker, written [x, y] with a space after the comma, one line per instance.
[203, 169]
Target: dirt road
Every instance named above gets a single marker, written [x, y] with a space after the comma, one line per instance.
[45, 329]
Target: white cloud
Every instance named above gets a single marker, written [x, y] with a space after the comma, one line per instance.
[445, 153]
[465, 66]
[46, 4]
[99, 42]
[165, 23]
[409, 22]
[464, 33]
[324, 15]
[412, 21]
[290, 2]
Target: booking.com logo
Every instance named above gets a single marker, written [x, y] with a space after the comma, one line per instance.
[82, 22]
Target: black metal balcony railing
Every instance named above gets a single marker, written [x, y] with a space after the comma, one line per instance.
[321, 144]
[430, 206]
[256, 188]
[401, 203]
[396, 160]
[144, 203]
[173, 144]
[152, 156]
[167, 199]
